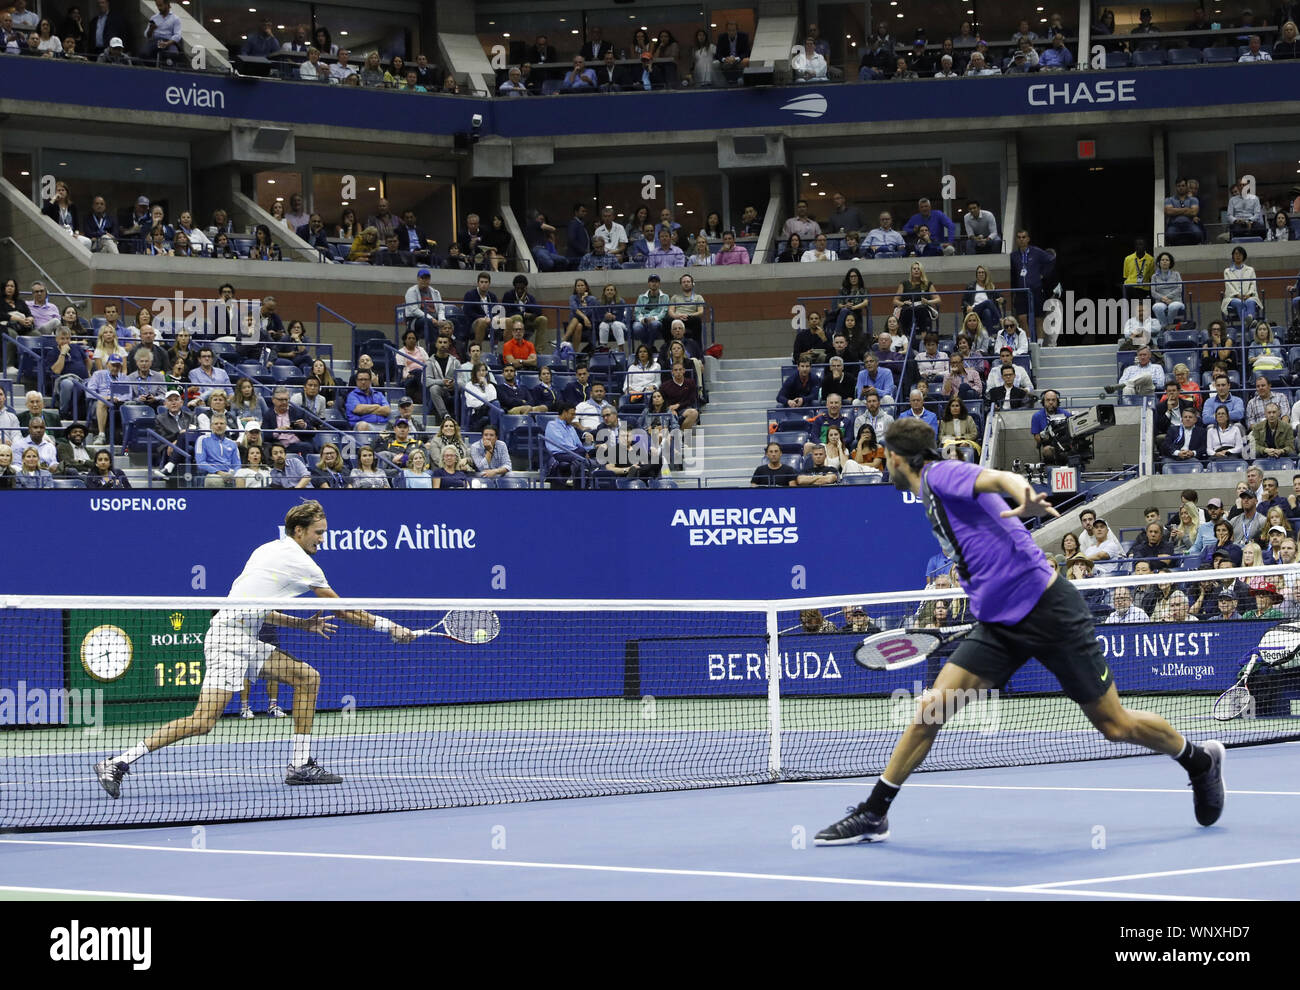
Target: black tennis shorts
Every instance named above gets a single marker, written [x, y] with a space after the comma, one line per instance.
[1058, 632]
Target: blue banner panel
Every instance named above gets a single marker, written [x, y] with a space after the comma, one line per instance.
[152, 91]
[32, 672]
[703, 543]
[811, 665]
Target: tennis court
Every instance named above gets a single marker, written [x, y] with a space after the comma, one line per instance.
[1114, 829]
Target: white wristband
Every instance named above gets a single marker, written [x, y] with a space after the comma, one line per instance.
[383, 625]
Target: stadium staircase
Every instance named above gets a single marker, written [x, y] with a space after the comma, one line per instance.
[1078, 373]
[733, 424]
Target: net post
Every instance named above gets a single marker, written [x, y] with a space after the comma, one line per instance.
[773, 695]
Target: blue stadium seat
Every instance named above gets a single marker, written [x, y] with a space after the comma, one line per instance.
[794, 461]
[1148, 58]
[1182, 338]
[1275, 463]
[1118, 60]
[1228, 466]
[663, 483]
[1220, 55]
[631, 484]
[69, 483]
[287, 374]
[135, 419]
[1185, 56]
[1181, 467]
[862, 479]
[1122, 360]
[1191, 358]
[791, 441]
[508, 482]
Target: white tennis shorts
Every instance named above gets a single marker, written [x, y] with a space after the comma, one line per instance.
[233, 654]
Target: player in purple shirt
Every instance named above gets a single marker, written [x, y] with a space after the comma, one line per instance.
[1023, 611]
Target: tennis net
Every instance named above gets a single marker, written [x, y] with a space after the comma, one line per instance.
[571, 699]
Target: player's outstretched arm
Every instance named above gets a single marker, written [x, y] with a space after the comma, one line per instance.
[362, 618]
[1029, 503]
[322, 625]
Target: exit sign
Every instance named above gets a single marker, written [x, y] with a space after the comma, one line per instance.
[1065, 479]
[1087, 149]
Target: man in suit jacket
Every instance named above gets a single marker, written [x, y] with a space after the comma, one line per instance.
[1186, 441]
[609, 78]
[1007, 395]
[108, 24]
[596, 47]
[283, 419]
[314, 233]
[1273, 435]
[413, 240]
[732, 50]
[540, 51]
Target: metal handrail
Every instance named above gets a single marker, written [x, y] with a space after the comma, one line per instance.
[46, 277]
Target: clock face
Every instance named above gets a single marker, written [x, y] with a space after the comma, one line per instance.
[106, 653]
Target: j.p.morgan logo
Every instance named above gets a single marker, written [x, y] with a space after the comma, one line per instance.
[810, 105]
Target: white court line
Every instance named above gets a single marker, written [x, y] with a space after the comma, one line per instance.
[1165, 873]
[593, 868]
[1038, 787]
[107, 893]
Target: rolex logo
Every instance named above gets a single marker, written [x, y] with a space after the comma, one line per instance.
[177, 620]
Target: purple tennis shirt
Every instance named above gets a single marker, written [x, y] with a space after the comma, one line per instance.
[1001, 567]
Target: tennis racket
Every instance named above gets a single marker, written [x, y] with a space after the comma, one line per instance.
[895, 649]
[1280, 645]
[472, 626]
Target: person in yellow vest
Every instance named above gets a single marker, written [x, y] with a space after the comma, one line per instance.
[1138, 269]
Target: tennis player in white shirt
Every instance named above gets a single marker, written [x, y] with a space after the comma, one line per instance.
[285, 569]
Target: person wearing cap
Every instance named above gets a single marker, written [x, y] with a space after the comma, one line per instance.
[1249, 524]
[109, 389]
[522, 304]
[172, 423]
[1272, 551]
[1225, 605]
[74, 457]
[649, 313]
[1106, 550]
[1267, 600]
[251, 437]
[217, 456]
[425, 312]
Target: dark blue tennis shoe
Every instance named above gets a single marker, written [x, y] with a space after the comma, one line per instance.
[310, 772]
[110, 774]
[859, 825]
[1208, 792]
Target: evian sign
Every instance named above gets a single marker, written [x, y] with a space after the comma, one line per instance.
[193, 96]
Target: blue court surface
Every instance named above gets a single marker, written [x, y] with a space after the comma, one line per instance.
[1115, 829]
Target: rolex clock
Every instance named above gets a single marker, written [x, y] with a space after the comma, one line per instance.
[106, 652]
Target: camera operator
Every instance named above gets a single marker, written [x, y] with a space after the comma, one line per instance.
[1050, 431]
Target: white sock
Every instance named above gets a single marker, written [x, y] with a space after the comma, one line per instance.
[133, 754]
[301, 749]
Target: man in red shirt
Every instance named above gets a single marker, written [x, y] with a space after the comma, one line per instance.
[517, 351]
[681, 397]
